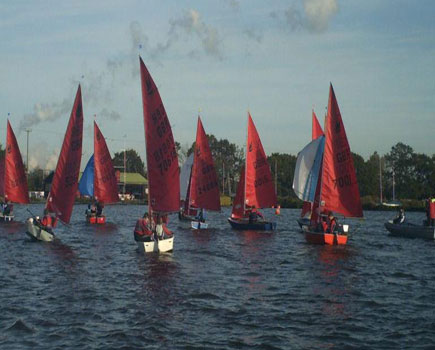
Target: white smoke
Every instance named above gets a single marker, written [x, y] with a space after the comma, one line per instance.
[45, 112]
[43, 157]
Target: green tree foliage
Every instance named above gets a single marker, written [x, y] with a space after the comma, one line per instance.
[284, 164]
[35, 180]
[228, 160]
[134, 163]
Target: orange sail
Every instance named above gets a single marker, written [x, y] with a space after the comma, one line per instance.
[105, 184]
[259, 186]
[316, 128]
[238, 211]
[339, 187]
[204, 183]
[162, 159]
[15, 180]
[65, 181]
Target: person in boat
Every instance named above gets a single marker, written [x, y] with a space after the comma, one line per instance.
[142, 230]
[430, 211]
[99, 208]
[400, 218]
[161, 231]
[48, 222]
[7, 208]
[332, 223]
[200, 217]
[255, 215]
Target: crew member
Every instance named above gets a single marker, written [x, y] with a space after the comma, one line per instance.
[142, 230]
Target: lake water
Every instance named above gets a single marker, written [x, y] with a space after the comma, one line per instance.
[219, 289]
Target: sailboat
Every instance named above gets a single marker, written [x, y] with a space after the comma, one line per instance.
[13, 177]
[162, 160]
[99, 179]
[316, 132]
[325, 175]
[204, 188]
[255, 189]
[63, 190]
[187, 212]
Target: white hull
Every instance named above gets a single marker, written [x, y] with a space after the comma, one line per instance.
[38, 233]
[6, 218]
[196, 225]
[162, 246]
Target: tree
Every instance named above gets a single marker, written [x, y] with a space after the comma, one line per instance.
[134, 163]
[285, 169]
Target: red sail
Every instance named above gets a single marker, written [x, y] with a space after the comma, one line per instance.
[238, 211]
[339, 188]
[15, 180]
[105, 183]
[204, 187]
[65, 180]
[316, 128]
[2, 177]
[162, 160]
[259, 187]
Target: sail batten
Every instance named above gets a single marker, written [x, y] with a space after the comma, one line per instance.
[161, 155]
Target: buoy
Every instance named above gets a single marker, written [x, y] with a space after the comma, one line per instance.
[278, 210]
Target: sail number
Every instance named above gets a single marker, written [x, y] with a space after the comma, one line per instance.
[342, 181]
[207, 187]
[261, 181]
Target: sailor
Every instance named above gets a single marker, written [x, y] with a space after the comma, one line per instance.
[99, 208]
[432, 211]
[142, 230]
[400, 218]
[161, 230]
[332, 224]
[93, 209]
[48, 222]
[7, 208]
[200, 216]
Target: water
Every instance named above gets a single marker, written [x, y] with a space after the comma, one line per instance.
[219, 289]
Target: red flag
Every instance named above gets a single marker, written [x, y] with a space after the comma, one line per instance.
[162, 159]
[105, 183]
[65, 180]
[259, 187]
[204, 187]
[339, 191]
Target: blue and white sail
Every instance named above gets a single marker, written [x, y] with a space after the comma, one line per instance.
[307, 170]
[86, 184]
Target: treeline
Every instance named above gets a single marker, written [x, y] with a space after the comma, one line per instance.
[413, 174]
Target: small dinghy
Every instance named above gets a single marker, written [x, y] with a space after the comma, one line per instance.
[162, 162]
[325, 176]
[255, 189]
[37, 232]
[409, 230]
[99, 179]
[63, 190]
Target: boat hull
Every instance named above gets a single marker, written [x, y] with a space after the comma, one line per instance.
[96, 219]
[37, 233]
[336, 238]
[161, 246]
[183, 217]
[257, 226]
[6, 218]
[197, 225]
[411, 231]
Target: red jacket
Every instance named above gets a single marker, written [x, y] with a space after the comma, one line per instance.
[142, 228]
[49, 221]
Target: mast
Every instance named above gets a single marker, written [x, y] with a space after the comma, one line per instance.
[394, 184]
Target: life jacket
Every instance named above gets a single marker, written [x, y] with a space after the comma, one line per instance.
[47, 221]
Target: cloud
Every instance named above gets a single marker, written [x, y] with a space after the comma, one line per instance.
[45, 112]
[311, 15]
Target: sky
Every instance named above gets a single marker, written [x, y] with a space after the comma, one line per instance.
[219, 59]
